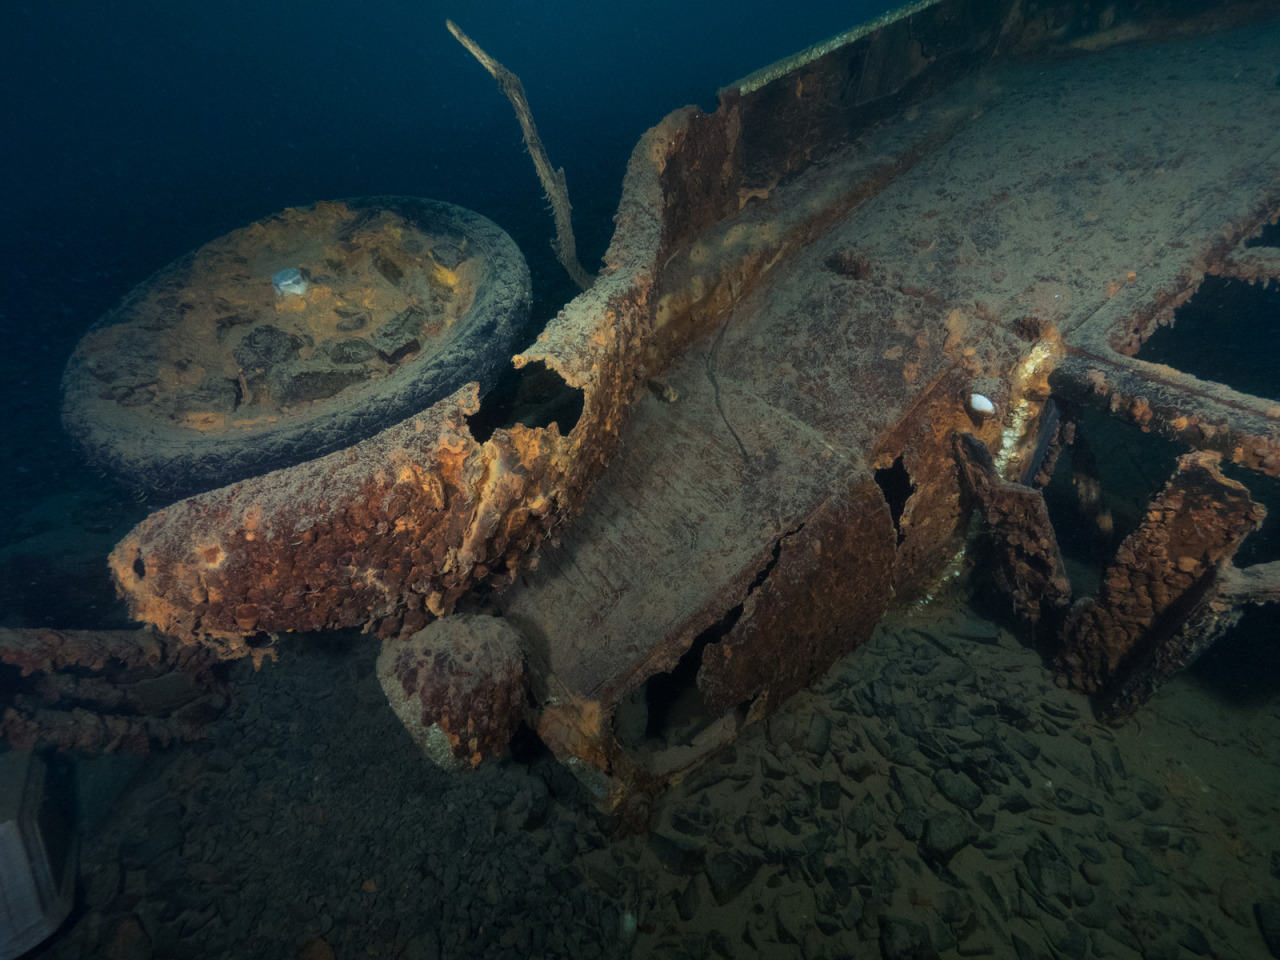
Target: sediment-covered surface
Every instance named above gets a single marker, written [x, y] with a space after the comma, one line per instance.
[934, 793]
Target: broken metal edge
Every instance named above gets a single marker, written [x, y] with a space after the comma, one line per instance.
[781, 68]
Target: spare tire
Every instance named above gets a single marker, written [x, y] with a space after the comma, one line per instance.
[293, 337]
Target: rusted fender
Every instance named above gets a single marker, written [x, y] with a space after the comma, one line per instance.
[391, 531]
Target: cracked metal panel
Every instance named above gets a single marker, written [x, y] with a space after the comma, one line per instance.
[822, 596]
[1212, 611]
[1160, 573]
[1024, 547]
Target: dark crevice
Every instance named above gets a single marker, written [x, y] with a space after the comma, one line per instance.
[1099, 491]
[896, 486]
[763, 575]
[533, 395]
[1243, 665]
[1227, 333]
[673, 704]
[1270, 235]
[1263, 545]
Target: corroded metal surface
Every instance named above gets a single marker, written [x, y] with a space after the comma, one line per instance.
[1160, 573]
[391, 531]
[1024, 549]
[1214, 607]
[849, 312]
[102, 690]
[813, 281]
[458, 687]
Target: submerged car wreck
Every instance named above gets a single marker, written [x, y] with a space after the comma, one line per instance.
[867, 300]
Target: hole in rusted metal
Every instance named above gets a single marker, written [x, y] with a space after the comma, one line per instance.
[10, 679]
[533, 395]
[1099, 492]
[1227, 332]
[677, 713]
[1269, 237]
[896, 486]
[673, 709]
[1243, 665]
[1263, 545]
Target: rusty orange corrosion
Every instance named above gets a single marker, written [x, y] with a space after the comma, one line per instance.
[810, 287]
[388, 533]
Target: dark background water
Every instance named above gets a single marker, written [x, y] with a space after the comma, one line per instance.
[132, 132]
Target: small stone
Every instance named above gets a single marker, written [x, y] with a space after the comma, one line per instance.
[818, 738]
[1081, 892]
[924, 666]
[908, 719]
[690, 898]
[994, 894]
[1146, 873]
[1155, 837]
[1025, 747]
[1023, 950]
[881, 699]
[856, 766]
[728, 874]
[982, 631]
[1072, 941]
[1015, 803]
[1194, 940]
[1149, 796]
[1049, 873]
[1234, 898]
[771, 768]
[829, 794]
[958, 788]
[910, 822]
[945, 834]
[1073, 802]
[1098, 915]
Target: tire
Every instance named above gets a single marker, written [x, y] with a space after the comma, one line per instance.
[207, 373]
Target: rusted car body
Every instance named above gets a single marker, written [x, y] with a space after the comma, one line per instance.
[862, 303]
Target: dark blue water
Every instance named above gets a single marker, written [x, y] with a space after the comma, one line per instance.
[134, 132]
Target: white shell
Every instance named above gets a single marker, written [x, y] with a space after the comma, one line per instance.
[289, 282]
[981, 405]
